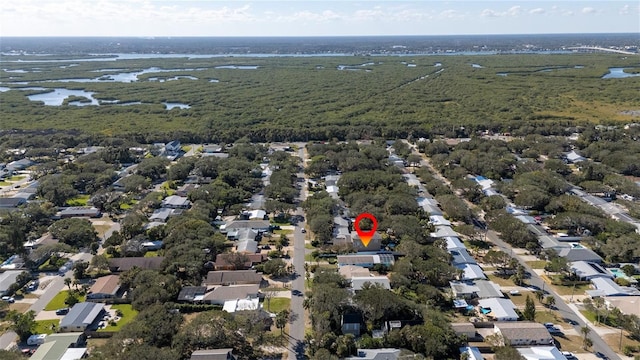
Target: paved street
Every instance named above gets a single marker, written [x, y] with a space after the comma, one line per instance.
[566, 311]
[296, 327]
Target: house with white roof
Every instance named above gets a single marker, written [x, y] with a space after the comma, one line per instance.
[608, 287]
[176, 202]
[589, 270]
[461, 256]
[498, 309]
[471, 272]
[473, 353]
[439, 220]
[541, 353]
[443, 231]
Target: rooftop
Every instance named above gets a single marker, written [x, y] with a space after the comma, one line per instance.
[106, 285]
[228, 277]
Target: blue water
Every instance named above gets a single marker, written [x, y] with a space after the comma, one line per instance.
[618, 73]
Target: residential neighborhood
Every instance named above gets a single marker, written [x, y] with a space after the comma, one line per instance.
[264, 240]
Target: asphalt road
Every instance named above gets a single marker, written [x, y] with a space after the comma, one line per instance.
[566, 311]
[296, 326]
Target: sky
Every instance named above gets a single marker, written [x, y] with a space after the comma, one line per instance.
[141, 18]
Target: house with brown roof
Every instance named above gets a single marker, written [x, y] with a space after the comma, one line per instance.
[222, 294]
[523, 333]
[235, 261]
[466, 328]
[105, 287]
[128, 263]
[237, 277]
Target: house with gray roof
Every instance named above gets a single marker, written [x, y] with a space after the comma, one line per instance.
[581, 253]
[64, 346]
[461, 256]
[222, 294]
[213, 354]
[176, 202]
[81, 316]
[376, 354]
[443, 231]
[471, 272]
[7, 279]
[523, 333]
[454, 243]
[233, 277]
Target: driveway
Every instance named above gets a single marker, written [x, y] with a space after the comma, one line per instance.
[564, 309]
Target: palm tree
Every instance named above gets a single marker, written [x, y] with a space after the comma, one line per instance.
[76, 283]
[551, 301]
[67, 281]
[586, 341]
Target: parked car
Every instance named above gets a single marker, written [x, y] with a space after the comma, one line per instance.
[62, 311]
[8, 299]
[601, 355]
[304, 231]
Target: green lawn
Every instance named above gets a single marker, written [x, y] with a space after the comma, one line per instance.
[128, 314]
[285, 232]
[537, 264]
[58, 301]
[80, 200]
[151, 254]
[16, 178]
[4, 183]
[278, 304]
[45, 326]
[500, 280]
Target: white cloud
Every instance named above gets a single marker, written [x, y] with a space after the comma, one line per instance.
[588, 10]
[450, 14]
[489, 13]
[624, 10]
[537, 11]
[512, 11]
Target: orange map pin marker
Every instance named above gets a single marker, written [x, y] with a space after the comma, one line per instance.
[365, 236]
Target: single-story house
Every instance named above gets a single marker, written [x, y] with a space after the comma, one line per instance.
[222, 294]
[351, 323]
[461, 256]
[351, 271]
[231, 261]
[211, 148]
[471, 272]
[152, 245]
[254, 215]
[45, 239]
[464, 328]
[105, 287]
[439, 220]
[375, 243]
[127, 263]
[454, 243]
[233, 277]
[589, 270]
[19, 164]
[11, 202]
[473, 353]
[172, 147]
[526, 219]
[498, 309]
[608, 287]
[481, 289]
[573, 157]
[213, 354]
[232, 306]
[376, 354]
[176, 202]
[247, 246]
[81, 316]
[573, 254]
[628, 305]
[259, 225]
[542, 353]
[78, 211]
[192, 293]
[523, 333]
[367, 261]
[357, 283]
[62, 346]
[7, 279]
[163, 214]
[443, 231]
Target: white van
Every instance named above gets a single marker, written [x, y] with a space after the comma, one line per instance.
[37, 339]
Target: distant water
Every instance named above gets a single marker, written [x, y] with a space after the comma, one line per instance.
[618, 73]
